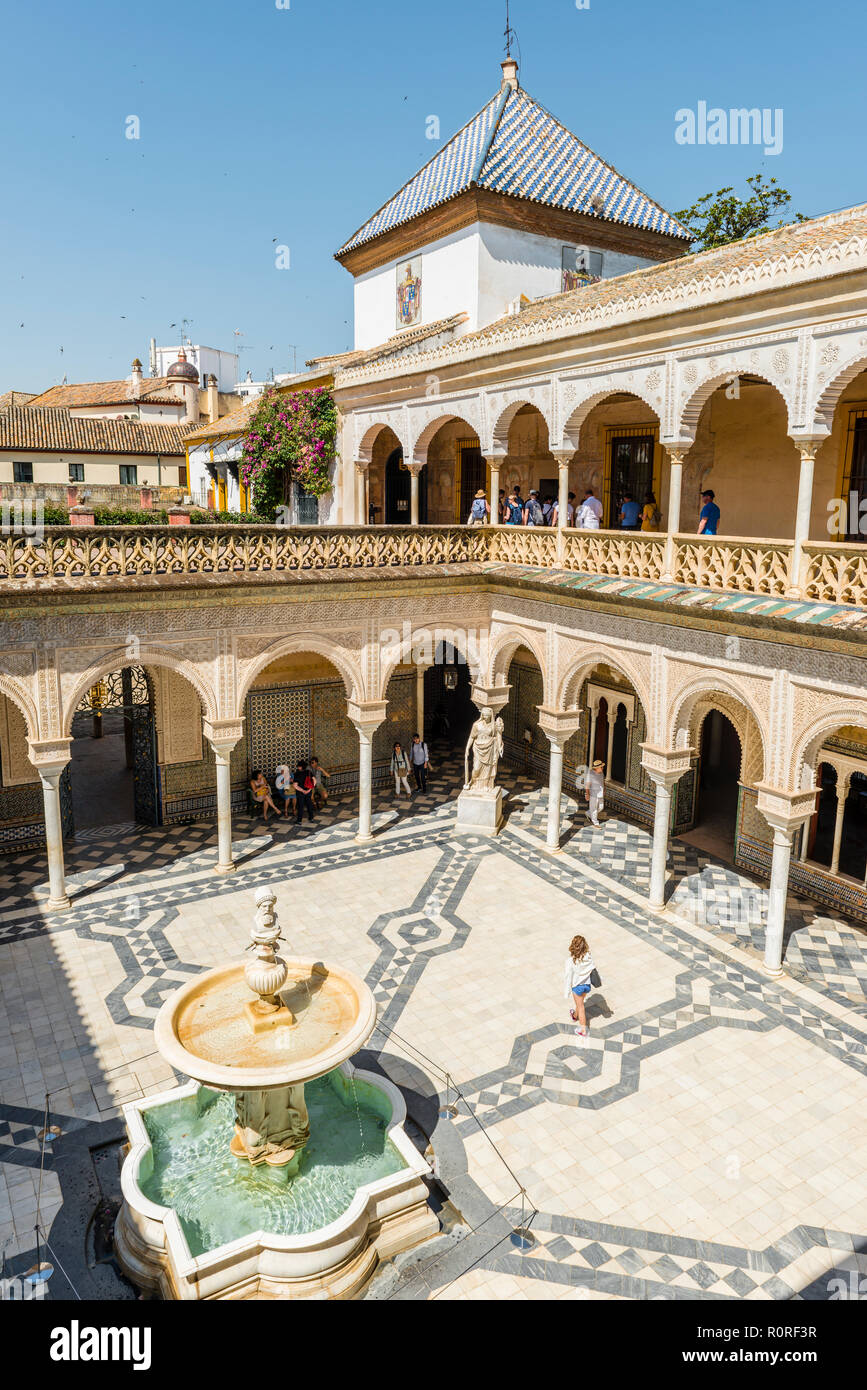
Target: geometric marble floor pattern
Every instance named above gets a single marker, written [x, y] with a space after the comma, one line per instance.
[705, 1141]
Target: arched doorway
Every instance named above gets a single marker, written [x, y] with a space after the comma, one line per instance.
[716, 809]
[448, 706]
[398, 488]
[114, 777]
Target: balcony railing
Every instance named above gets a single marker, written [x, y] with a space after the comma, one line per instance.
[827, 572]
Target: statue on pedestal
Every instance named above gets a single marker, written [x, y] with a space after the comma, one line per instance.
[486, 741]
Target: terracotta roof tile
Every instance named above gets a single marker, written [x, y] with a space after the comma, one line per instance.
[38, 428]
[155, 390]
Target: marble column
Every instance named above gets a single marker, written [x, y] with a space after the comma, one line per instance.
[664, 767]
[591, 745]
[843, 782]
[675, 485]
[785, 812]
[414, 471]
[419, 700]
[360, 493]
[807, 448]
[494, 464]
[612, 720]
[559, 726]
[366, 717]
[58, 899]
[223, 736]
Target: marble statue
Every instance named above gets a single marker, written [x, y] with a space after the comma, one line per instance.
[270, 1126]
[486, 742]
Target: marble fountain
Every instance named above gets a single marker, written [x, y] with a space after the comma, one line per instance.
[279, 1170]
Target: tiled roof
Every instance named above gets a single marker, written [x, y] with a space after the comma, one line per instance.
[515, 147]
[396, 344]
[16, 398]
[227, 426]
[154, 390]
[38, 428]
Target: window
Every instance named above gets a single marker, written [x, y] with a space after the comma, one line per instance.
[129, 474]
[76, 472]
[22, 472]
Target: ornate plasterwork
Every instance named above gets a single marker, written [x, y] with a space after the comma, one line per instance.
[744, 700]
[505, 640]
[74, 684]
[815, 715]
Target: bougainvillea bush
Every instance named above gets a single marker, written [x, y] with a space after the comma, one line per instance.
[291, 438]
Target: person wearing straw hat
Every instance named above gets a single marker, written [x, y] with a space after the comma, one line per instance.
[480, 509]
[595, 791]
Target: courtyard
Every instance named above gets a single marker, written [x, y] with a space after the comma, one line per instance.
[705, 1140]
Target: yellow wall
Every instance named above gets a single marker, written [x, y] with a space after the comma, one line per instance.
[99, 469]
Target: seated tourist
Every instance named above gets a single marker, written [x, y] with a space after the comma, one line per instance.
[261, 789]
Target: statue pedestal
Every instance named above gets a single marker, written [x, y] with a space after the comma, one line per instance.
[481, 812]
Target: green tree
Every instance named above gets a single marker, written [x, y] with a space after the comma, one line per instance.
[720, 218]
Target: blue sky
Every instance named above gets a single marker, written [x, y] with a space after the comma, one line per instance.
[263, 126]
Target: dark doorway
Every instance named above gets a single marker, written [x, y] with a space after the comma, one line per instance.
[853, 841]
[820, 844]
[718, 787]
[599, 751]
[630, 471]
[619, 746]
[398, 490]
[449, 710]
[474, 475]
[857, 480]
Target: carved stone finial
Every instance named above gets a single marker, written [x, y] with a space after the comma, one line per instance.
[266, 974]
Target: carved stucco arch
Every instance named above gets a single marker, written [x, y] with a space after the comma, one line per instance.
[365, 445]
[809, 742]
[421, 443]
[339, 658]
[500, 429]
[578, 413]
[693, 704]
[504, 643]
[690, 411]
[580, 668]
[21, 698]
[822, 413]
[117, 659]
[426, 635]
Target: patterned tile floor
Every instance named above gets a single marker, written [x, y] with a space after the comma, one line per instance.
[706, 1140]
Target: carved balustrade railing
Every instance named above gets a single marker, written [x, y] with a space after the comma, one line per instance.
[60, 557]
[629, 556]
[68, 554]
[834, 572]
[738, 565]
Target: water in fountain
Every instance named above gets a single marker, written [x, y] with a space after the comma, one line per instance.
[219, 1198]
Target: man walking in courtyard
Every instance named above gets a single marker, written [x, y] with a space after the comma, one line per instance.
[418, 756]
[595, 791]
[708, 517]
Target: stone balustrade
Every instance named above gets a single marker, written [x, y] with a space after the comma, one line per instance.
[828, 572]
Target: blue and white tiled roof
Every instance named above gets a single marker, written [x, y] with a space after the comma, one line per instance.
[516, 148]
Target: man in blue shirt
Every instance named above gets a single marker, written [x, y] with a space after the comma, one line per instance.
[630, 511]
[708, 519]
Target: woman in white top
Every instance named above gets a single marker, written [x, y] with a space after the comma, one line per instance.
[400, 768]
[579, 968]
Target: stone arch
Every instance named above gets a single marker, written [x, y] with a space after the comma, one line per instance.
[23, 702]
[692, 407]
[694, 702]
[364, 446]
[147, 656]
[578, 413]
[825, 406]
[811, 739]
[503, 424]
[303, 642]
[418, 452]
[580, 668]
[504, 644]
[424, 638]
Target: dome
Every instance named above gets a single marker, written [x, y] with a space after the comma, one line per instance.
[182, 370]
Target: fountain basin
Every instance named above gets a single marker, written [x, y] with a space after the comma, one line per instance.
[383, 1216]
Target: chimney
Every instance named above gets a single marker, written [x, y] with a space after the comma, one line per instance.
[510, 73]
[191, 399]
[135, 378]
[153, 357]
[213, 400]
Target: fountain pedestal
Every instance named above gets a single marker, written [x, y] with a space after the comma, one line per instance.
[270, 1126]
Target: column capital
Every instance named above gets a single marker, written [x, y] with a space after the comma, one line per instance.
[560, 724]
[665, 766]
[785, 810]
[362, 465]
[490, 696]
[564, 456]
[367, 715]
[677, 449]
[414, 465]
[808, 445]
[223, 734]
[493, 459]
[50, 754]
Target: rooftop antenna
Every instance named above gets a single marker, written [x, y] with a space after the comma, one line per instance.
[510, 33]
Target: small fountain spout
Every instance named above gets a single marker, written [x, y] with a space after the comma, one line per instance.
[267, 974]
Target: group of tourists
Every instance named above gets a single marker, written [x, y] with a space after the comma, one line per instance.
[515, 510]
[415, 759]
[301, 789]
